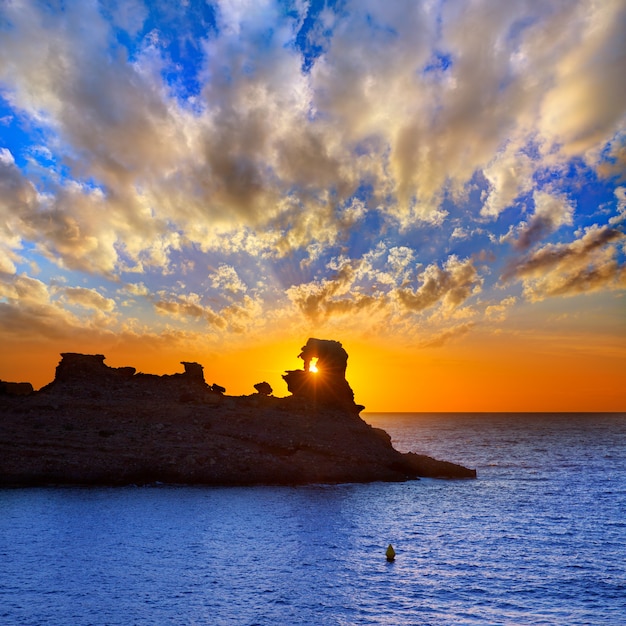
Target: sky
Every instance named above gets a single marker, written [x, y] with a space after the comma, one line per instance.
[439, 185]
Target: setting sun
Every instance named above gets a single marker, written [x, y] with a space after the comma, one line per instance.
[468, 256]
[299, 291]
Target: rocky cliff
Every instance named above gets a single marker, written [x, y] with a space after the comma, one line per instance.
[96, 424]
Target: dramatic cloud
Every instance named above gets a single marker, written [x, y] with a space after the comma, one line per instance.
[443, 337]
[226, 278]
[188, 306]
[333, 296]
[220, 166]
[450, 286]
[28, 310]
[551, 212]
[497, 312]
[89, 299]
[587, 264]
[586, 100]
[509, 175]
[620, 195]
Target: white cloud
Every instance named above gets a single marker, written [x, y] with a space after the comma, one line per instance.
[264, 129]
[128, 15]
[399, 258]
[370, 154]
[24, 289]
[584, 105]
[89, 299]
[552, 210]
[497, 312]
[585, 265]
[620, 196]
[188, 306]
[29, 311]
[6, 158]
[509, 175]
[449, 286]
[136, 289]
[226, 278]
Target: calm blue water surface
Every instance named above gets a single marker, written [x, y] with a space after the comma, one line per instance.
[538, 538]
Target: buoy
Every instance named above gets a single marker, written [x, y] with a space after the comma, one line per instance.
[391, 553]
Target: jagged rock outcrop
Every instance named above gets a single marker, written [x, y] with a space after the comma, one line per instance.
[264, 388]
[75, 367]
[96, 424]
[15, 389]
[326, 385]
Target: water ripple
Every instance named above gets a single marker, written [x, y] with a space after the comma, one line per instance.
[539, 538]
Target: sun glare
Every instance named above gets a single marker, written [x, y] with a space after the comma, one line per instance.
[313, 368]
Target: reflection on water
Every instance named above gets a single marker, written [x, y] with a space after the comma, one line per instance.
[538, 538]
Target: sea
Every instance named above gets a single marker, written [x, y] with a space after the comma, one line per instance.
[538, 538]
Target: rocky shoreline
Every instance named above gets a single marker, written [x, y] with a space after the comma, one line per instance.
[97, 425]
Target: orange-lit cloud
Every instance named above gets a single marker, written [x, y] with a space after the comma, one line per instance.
[222, 173]
[585, 265]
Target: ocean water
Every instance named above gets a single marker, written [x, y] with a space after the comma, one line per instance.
[538, 538]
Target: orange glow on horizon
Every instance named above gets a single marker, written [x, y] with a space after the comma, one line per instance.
[528, 374]
[525, 373]
[473, 264]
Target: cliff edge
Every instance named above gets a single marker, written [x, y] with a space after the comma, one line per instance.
[96, 424]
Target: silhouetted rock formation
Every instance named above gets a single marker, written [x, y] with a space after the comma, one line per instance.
[15, 389]
[194, 372]
[75, 367]
[96, 424]
[326, 386]
[265, 389]
[427, 467]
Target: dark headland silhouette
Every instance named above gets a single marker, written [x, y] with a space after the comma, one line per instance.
[100, 425]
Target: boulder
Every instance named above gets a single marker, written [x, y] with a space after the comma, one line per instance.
[265, 389]
[194, 372]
